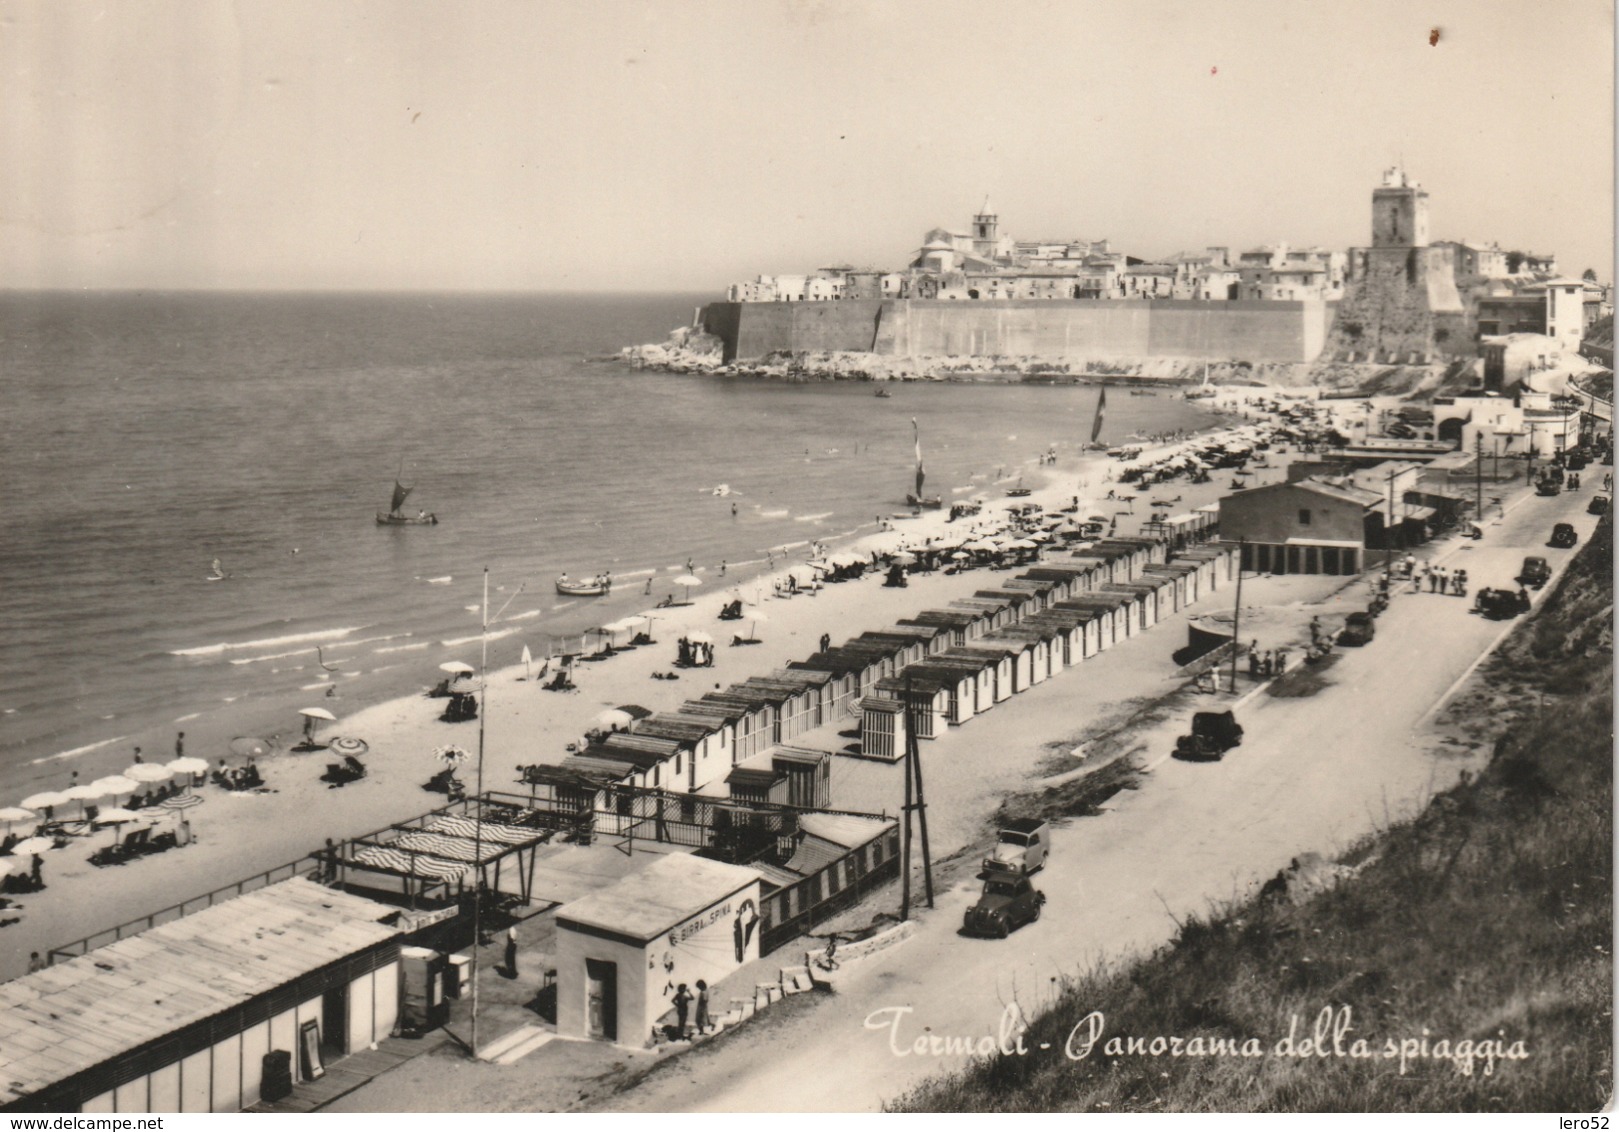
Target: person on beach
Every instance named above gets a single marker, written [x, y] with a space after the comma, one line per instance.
[704, 1023]
[35, 963]
[826, 641]
[138, 755]
[180, 745]
[682, 1004]
[511, 951]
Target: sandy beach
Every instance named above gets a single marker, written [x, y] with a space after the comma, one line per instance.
[240, 834]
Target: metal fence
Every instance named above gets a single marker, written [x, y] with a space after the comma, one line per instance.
[304, 866]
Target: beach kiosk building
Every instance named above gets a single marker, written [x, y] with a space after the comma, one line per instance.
[622, 951]
[189, 1016]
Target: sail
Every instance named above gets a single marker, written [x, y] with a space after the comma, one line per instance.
[1101, 411]
[921, 474]
[401, 493]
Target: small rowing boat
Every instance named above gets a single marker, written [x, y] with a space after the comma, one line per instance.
[596, 587]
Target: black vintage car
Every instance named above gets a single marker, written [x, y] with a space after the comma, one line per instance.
[1564, 536]
[1007, 902]
[1213, 734]
[1597, 506]
[1498, 605]
[1359, 628]
[1536, 572]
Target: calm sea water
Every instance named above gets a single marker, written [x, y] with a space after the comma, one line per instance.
[144, 435]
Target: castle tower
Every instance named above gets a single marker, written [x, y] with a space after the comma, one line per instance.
[984, 237]
[1399, 212]
[1401, 305]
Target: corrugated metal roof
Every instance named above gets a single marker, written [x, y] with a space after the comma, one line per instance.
[75, 1015]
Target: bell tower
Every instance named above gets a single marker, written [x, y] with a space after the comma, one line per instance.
[984, 225]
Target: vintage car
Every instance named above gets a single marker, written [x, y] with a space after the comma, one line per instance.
[1007, 902]
[1597, 506]
[1564, 536]
[1535, 573]
[1498, 605]
[1213, 734]
[1359, 628]
[1021, 847]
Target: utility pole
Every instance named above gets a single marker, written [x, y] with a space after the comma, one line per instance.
[1388, 536]
[913, 758]
[477, 828]
[1236, 616]
[905, 823]
[1478, 476]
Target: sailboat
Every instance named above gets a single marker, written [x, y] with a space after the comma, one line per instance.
[916, 498]
[397, 518]
[1204, 390]
[1096, 422]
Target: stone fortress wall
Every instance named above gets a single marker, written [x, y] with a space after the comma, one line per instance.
[1226, 330]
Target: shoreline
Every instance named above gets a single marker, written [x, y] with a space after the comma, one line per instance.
[241, 835]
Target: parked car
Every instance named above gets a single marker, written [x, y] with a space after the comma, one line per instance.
[1597, 506]
[1575, 462]
[1548, 486]
[1564, 536]
[1497, 605]
[1535, 573]
[1020, 847]
[1006, 903]
[1359, 628]
[1213, 734]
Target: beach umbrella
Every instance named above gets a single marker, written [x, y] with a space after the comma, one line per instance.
[247, 746]
[12, 814]
[756, 616]
[311, 714]
[450, 756]
[905, 558]
[181, 801]
[688, 581]
[83, 794]
[46, 799]
[960, 554]
[188, 764]
[348, 746]
[148, 772]
[453, 667]
[28, 847]
[117, 815]
[113, 785]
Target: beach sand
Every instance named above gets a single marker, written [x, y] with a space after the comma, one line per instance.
[239, 835]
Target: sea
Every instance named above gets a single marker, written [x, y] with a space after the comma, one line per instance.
[144, 435]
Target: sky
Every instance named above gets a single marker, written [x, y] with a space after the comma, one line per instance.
[653, 145]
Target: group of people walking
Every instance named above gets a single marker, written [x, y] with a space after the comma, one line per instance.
[1440, 580]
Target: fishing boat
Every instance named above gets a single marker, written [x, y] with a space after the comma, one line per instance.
[397, 518]
[916, 498]
[1019, 491]
[884, 393]
[596, 587]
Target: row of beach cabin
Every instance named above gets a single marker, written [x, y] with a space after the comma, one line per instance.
[949, 664]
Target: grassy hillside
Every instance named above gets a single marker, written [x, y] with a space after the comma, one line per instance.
[1486, 923]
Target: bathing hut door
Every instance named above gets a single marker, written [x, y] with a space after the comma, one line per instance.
[601, 999]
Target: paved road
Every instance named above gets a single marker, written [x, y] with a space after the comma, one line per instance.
[1314, 773]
